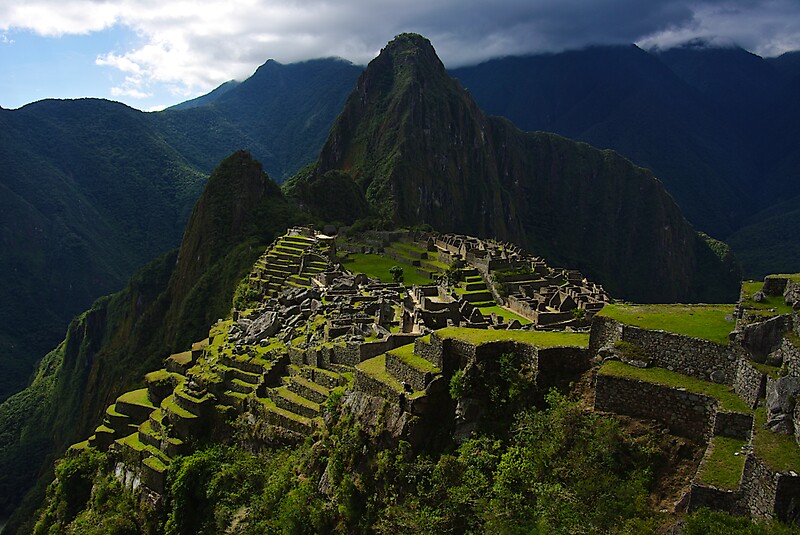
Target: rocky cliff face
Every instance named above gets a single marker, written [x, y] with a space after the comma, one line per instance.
[421, 151]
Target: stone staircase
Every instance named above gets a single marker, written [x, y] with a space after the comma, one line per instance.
[474, 290]
[290, 261]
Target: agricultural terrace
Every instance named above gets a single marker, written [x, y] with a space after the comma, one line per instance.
[708, 322]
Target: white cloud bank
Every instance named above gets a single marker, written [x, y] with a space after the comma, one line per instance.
[193, 46]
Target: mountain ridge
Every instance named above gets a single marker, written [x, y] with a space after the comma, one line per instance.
[421, 151]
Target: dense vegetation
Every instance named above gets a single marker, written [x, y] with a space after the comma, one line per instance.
[553, 469]
[167, 305]
[91, 190]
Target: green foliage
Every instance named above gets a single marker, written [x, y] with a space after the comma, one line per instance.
[246, 295]
[707, 522]
[457, 386]
[566, 469]
[71, 491]
[397, 273]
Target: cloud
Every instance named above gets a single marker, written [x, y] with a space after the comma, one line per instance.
[5, 39]
[191, 46]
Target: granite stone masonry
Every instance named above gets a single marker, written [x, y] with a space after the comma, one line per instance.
[694, 357]
[769, 494]
[685, 413]
[750, 384]
[733, 424]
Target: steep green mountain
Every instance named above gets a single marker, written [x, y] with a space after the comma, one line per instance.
[208, 98]
[92, 189]
[89, 192]
[166, 305]
[419, 150]
[281, 114]
[718, 126]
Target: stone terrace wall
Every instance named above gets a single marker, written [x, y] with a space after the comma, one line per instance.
[685, 413]
[715, 499]
[733, 424]
[562, 360]
[689, 356]
[605, 331]
[749, 384]
[683, 354]
[768, 494]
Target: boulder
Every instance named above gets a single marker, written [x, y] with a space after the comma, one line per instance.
[781, 400]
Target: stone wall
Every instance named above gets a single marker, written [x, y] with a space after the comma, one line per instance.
[604, 332]
[759, 486]
[791, 294]
[715, 499]
[346, 354]
[685, 413]
[561, 360]
[683, 354]
[774, 285]
[749, 384]
[769, 494]
[689, 356]
[733, 424]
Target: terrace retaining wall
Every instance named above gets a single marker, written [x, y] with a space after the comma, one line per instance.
[694, 357]
[685, 413]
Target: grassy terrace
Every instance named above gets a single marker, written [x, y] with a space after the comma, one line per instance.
[771, 305]
[728, 399]
[536, 338]
[378, 266]
[507, 314]
[376, 367]
[408, 247]
[779, 451]
[137, 397]
[707, 322]
[723, 467]
[406, 354]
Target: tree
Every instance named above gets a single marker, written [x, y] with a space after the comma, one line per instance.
[397, 273]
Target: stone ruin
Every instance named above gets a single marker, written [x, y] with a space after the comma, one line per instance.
[549, 297]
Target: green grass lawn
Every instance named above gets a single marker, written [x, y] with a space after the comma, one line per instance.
[536, 338]
[707, 322]
[137, 397]
[406, 354]
[727, 398]
[507, 314]
[765, 307]
[378, 266]
[723, 467]
[779, 451]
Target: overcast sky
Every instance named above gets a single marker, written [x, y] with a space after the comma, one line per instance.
[154, 53]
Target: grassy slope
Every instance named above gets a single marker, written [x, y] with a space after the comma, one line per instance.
[709, 322]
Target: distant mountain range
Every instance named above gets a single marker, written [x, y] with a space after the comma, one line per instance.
[93, 189]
